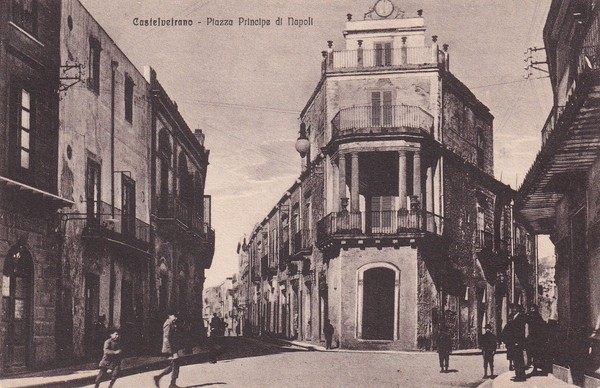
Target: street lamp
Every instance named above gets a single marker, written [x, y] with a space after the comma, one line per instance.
[302, 143]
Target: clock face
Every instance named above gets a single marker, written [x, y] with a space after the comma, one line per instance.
[384, 8]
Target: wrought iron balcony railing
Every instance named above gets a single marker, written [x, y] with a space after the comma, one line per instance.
[172, 207]
[122, 226]
[301, 241]
[392, 119]
[392, 223]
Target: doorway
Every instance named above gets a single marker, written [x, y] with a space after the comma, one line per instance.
[17, 291]
[378, 304]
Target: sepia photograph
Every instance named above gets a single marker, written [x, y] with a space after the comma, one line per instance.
[300, 193]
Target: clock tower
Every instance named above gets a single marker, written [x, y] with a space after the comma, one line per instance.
[384, 9]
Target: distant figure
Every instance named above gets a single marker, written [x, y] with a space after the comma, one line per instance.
[514, 338]
[328, 331]
[537, 341]
[444, 344]
[215, 326]
[111, 359]
[509, 348]
[170, 348]
[489, 343]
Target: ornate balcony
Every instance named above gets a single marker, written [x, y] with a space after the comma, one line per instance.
[383, 59]
[121, 228]
[284, 254]
[376, 225]
[366, 121]
[175, 215]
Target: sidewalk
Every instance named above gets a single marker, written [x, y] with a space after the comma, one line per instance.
[86, 373]
[504, 380]
[318, 347]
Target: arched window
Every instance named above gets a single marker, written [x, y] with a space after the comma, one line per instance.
[17, 292]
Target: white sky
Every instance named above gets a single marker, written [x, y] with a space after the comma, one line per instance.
[245, 86]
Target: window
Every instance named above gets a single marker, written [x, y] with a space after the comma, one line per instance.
[383, 54]
[381, 105]
[24, 14]
[92, 190]
[128, 99]
[128, 205]
[24, 129]
[480, 147]
[94, 65]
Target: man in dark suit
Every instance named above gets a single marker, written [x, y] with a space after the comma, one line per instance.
[514, 337]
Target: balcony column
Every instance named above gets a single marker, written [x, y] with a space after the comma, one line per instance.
[335, 183]
[402, 179]
[429, 190]
[354, 207]
[404, 52]
[342, 179]
[417, 177]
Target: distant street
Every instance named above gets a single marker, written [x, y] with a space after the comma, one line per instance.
[250, 363]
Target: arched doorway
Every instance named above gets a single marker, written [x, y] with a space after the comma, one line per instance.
[17, 298]
[378, 302]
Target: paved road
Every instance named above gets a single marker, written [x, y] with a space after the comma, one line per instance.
[254, 364]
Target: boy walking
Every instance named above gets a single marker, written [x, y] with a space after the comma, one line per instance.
[489, 343]
[111, 359]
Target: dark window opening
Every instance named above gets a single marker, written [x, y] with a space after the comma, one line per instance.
[94, 65]
[128, 206]
[383, 54]
[24, 14]
[480, 147]
[128, 99]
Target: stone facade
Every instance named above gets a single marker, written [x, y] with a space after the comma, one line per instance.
[29, 245]
[395, 226]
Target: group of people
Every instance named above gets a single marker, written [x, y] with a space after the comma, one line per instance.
[523, 333]
[173, 342]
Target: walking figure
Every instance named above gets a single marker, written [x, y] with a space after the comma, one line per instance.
[514, 338]
[111, 359]
[328, 331]
[170, 347]
[444, 343]
[489, 343]
[537, 341]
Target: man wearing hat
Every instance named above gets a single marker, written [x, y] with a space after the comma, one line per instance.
[489, 343]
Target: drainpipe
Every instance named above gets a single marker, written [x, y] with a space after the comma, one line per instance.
[111, 289]
[512, 252]
[536, 270]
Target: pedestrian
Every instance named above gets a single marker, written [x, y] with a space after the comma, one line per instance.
[444, 345]
[489, 343]
[328, 331]
[503, 338]
[170, 347]
[111, 359]
[537, 341]
[514, 338]
[215, 325]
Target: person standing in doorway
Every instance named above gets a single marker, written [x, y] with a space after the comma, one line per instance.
[111, 359]
[514, 338]
[489, 343]
[328, 331]
[444, 344]
[170, 347]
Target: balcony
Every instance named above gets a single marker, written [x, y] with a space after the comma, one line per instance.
[366, 121]
[172, 211]
[383, 59]
[120, 228]
[571, 142]
[379, 225]
[484, 240]
[301, 243]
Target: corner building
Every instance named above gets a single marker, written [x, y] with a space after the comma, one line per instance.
[396, 223]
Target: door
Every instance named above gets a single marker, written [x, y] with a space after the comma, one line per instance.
[92, 313]
[378, 304]
[383, 216]
[383, 54]
[128, 205]
[17, 287]
[381, 109]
